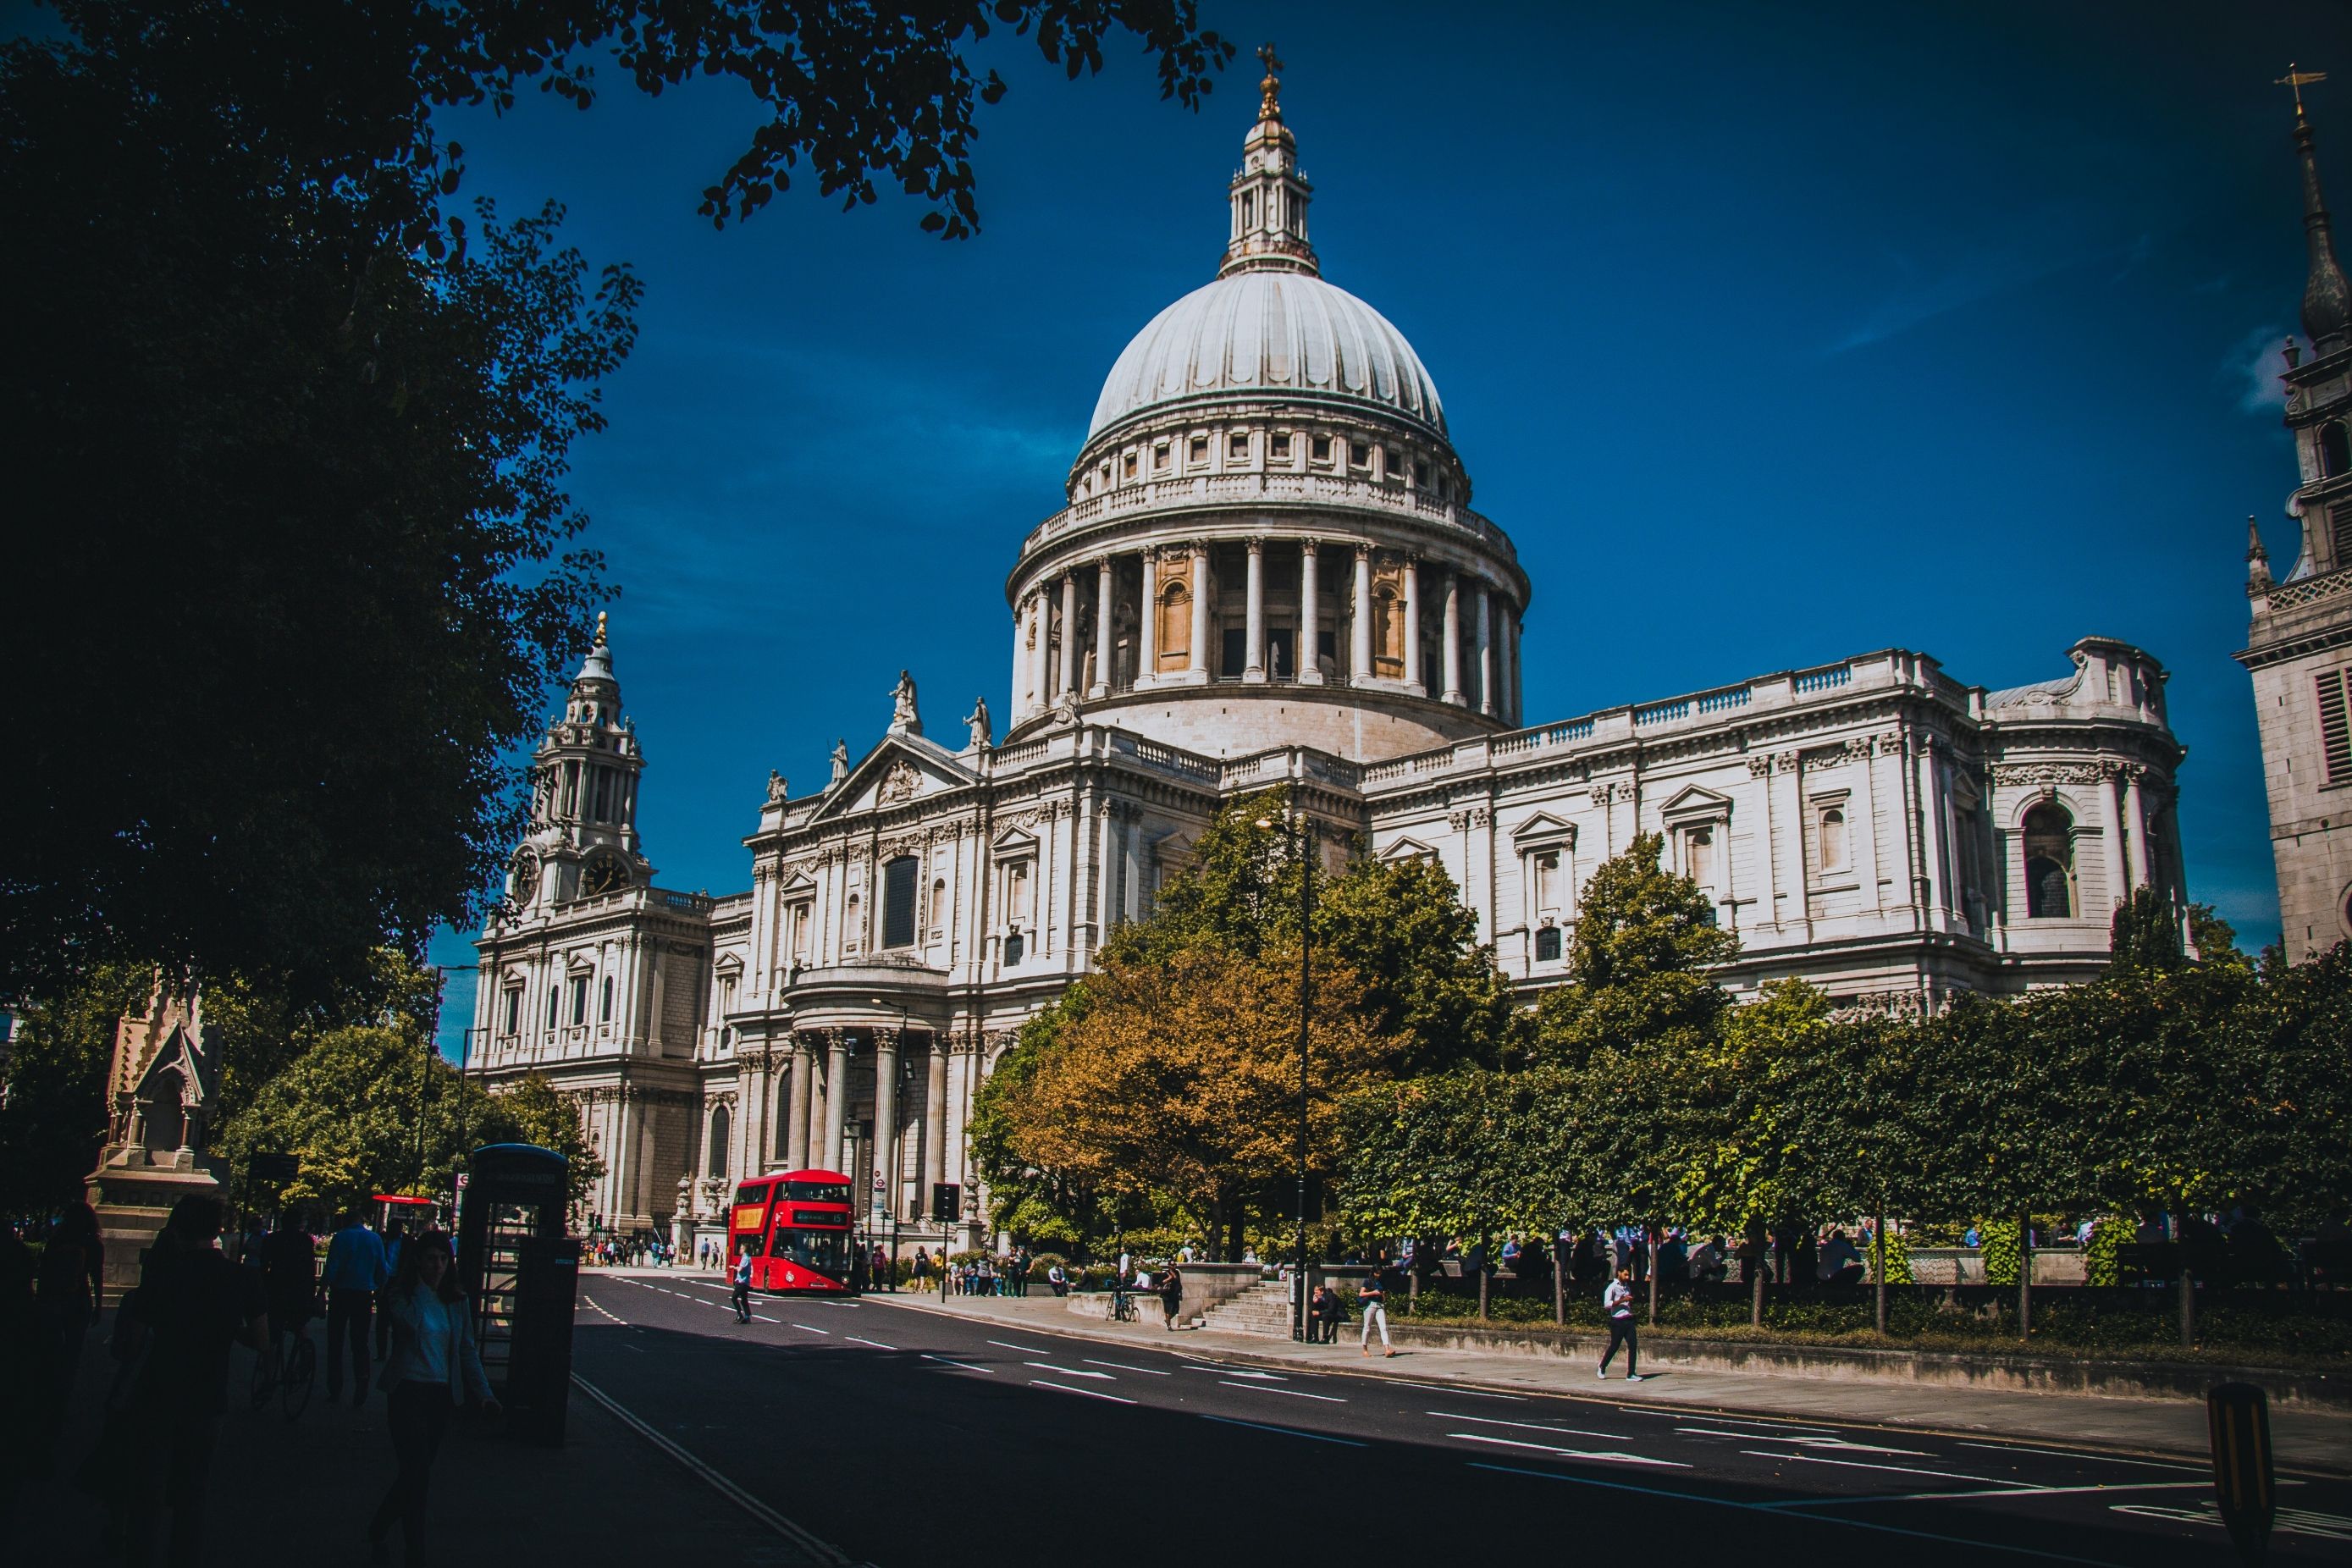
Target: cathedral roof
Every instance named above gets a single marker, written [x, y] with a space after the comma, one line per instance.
[1269, 332]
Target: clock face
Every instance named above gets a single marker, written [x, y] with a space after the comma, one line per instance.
[604, 873]
[525, 885]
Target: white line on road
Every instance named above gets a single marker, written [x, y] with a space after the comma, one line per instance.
[1766, 1422]
[828, 1332]
[1755, 1506]
[965, 1364]
[719, 1483]
[1070, 1371]
[1238, 1371]
[1293, 1393]
[1026, 1349]
[1147, 1371]
[599, 1306]
[2070, 1453]
[1090, 1392]
[1466, 1393]
[1994, 1491]
[1615, 1455]
[1527, 1425]
[878, 1344]
[1801, 1441]
[1286, 1431]
[1858, 1465]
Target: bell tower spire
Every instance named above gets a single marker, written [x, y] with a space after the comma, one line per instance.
[1269, 195]
[2326, 299]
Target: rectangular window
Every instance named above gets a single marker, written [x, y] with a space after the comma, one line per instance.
[605, 1013]
[1320, 450]
[1548, 945]
[1158, 456]
[1130, 465]
[2335, 734]
[2339, 534]
[1236, 651]
[514, 1011]
[553, 996]
[898, 902]
[1238, 448]
[1281, 447]
[579, 998]
[1197, 450]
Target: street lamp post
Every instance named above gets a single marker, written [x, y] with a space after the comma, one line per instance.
[1300, 828]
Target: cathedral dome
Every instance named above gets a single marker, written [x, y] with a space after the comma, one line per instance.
[1269, 332]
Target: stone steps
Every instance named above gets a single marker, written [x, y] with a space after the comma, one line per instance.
[1264, 1309]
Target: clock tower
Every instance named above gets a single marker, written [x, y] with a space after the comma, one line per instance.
[583, 842]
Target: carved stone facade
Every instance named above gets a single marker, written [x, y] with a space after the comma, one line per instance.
[1268, 573]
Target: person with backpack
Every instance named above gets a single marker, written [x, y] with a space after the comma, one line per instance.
[1617, 1306]
[743, 1285]
[1172, 1294]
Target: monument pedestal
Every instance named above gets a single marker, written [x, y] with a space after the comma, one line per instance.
[161, 1084]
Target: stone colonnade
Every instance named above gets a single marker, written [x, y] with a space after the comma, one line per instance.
[1478, 650]
[822, 1110]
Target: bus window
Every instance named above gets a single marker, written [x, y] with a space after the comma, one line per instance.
[753, 1192]
[818, 1192]
[825, 1252]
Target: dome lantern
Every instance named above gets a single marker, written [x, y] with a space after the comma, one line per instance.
[1269, 195]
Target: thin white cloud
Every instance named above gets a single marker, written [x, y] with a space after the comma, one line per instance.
[2253, 369]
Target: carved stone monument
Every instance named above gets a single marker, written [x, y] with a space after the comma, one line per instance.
[161, 1090]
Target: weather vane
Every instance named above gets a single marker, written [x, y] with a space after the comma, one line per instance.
[2298, 81]
[1272, 85]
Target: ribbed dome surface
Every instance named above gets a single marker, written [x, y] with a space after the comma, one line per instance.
[1269, 331]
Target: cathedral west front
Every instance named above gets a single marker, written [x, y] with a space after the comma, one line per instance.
[1268, 570]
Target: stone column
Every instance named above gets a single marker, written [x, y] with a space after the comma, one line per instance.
[2111, 855]
[1452, 656]
[1485, 632]
[1931, 822]
[1147, 631]
[1100, 686]
[1254, 615]
[1511, 664]
[1412, 681]
[1068, 671]
[1359, 624]
[1041, 625]
[1200, 669]
[836, 1096]
[2135, 828]
[935, 1119]
[886, 1121]
[1310, 615]
[1020, 659]
[796, 1116]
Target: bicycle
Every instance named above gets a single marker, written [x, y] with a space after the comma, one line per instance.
[1122, 1306]
[287, 1371]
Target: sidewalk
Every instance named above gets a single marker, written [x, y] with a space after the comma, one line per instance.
[295, 1494]
[2313, 1442]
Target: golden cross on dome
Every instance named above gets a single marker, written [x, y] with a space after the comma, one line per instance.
[1271, 87]
[2298, 81]
[600, 628]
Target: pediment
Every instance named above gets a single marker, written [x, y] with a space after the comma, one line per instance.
[899, 771]
[1543, 828]
[1695, 804]
[730, 964]
[1012, 841]
[178, 1056]
[1409, 849]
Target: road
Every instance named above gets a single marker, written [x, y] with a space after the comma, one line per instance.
[901, 1434]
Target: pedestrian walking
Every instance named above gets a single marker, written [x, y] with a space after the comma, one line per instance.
[1372, 1299]
[433, 1367]
[354, 1272]
[1172, 1294]
[1617, 1306]
[191, 1304]
[67, 1291]
[743, 1285]
[289, 1278]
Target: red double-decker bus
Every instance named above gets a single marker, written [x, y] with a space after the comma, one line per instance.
[795, 1226]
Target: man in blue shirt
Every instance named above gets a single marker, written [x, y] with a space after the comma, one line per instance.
[356, 1272]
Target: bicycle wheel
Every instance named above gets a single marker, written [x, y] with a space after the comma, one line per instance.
[264, 1375]
[295, 1386]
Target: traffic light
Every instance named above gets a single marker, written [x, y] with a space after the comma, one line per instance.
[947, 1202]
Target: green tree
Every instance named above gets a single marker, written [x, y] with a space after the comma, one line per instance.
[1645, 940]
[289, 431]
[2216, 939]
[2145, 933]
[530, 1110]
[53, 1115]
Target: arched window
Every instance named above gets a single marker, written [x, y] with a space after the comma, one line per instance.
[899, 902]
[1175, 651]
[849, 937]
[2049, 863]
[1014, 949]
[166, 1118]
[939, 906]
[1548, 945]
[1388, 633]
[1834, 839]
[720, 1120]
[2335, 451]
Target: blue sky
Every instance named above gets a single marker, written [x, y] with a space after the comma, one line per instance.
[1772, 334]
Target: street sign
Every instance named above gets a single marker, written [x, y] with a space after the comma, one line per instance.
[274, 1168]
[2239, 1417]
[947, 1202]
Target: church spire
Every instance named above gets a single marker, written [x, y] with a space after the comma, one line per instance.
[2326, 299]
[2258, 559]
[1269, 195]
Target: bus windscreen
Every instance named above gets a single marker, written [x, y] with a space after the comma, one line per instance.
[818, 1192]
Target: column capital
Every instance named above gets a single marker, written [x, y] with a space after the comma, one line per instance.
[1256, 542]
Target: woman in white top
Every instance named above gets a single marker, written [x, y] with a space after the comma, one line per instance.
[433, 1367]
